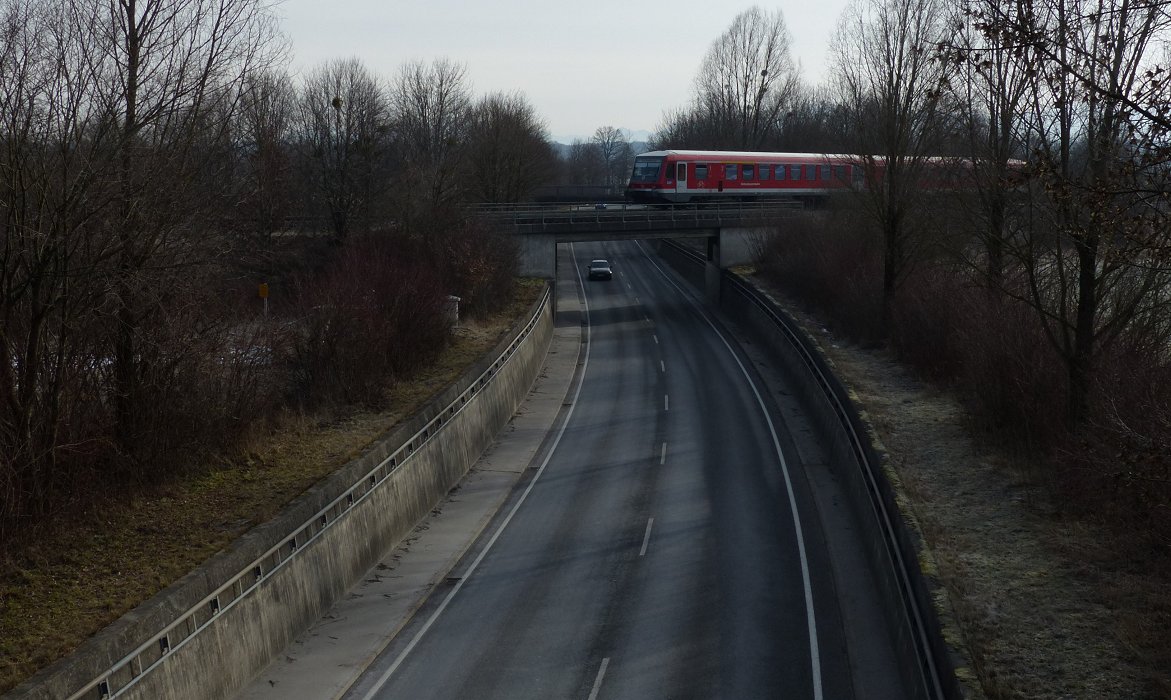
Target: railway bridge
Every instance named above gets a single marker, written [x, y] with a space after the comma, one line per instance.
[732, 232]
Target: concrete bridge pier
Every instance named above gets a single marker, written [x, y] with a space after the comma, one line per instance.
[712, 268]
[538, 255]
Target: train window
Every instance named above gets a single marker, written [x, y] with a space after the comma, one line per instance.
[646, 169]
[749, 172]
[780, 174]
[682, 172]
[825, 173]
[730, 171]
[700, 171]
[810, 172]
[840, 173]
[763, 170]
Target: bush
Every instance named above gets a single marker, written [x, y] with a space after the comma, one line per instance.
[371, 316]
[993, 350]
[830, 262]
[1119, 467]
[990, 348]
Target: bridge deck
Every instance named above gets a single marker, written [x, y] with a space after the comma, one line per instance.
[647, 220]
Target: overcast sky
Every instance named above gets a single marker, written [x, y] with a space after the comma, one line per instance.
[582, 65]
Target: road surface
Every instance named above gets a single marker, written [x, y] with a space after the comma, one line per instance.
[668, 546]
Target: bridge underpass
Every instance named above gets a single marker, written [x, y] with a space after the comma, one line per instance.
[732, 232]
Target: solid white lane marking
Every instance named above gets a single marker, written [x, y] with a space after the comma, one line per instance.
[646, 538]
[810, 617]
[520, 501]
[663, 454]
[598, 680]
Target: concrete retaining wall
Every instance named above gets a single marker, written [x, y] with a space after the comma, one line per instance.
[209, 634]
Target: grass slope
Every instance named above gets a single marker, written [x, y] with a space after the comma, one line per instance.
[84, 571]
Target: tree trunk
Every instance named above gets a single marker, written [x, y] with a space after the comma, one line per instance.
[1081, 362]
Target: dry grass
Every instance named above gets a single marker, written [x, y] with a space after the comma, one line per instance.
[81, 573]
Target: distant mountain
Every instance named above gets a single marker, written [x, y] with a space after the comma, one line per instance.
[562, 149]
[632, 135]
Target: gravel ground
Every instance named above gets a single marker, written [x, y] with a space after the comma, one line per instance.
[1039, 620]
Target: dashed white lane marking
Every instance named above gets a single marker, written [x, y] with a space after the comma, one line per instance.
[598, 680]
[662, 365]
[666, 402]
[656, 337]
[663, 454]
[646, 538]
[810, 615]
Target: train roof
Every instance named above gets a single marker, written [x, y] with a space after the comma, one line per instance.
[757, 155]
[740, 155]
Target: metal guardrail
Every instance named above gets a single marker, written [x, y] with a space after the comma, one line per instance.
[574, 218]
[128, 671]
[863, 452]
[905, 568]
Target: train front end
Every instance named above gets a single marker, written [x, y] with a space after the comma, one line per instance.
[648, 179]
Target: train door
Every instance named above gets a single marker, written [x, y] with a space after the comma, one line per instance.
[681, 178]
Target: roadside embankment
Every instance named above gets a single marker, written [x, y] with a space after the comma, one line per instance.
[210, 632]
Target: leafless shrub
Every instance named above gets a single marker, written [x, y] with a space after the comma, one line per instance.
[479, 266]
[371, 316]
[830, 262]
[991, 350]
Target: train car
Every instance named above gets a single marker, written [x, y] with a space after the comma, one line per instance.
[697, 176]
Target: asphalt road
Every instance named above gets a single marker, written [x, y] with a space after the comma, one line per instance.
[669, 545]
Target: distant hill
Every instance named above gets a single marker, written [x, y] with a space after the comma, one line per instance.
[562, 149]
[637, 137]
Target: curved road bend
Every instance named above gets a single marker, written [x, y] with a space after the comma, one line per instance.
[656, 553]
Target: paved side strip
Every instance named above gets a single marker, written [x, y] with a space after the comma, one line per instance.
[324, 661]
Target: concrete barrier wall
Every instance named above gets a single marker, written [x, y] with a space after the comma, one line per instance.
[891, 537]
[210, 633]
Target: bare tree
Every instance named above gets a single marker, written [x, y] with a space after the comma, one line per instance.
[886, 70]
[1093, 248]
[748, 79]
[430, 102]
[614, 150]
[343, 125]
[167, 72]
[55, 140]
[584, 164]
[115, 120]
[990, 84]
[508, 150]
[264, 140]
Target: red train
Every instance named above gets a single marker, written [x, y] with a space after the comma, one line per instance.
[688, 176]
[691, 176]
